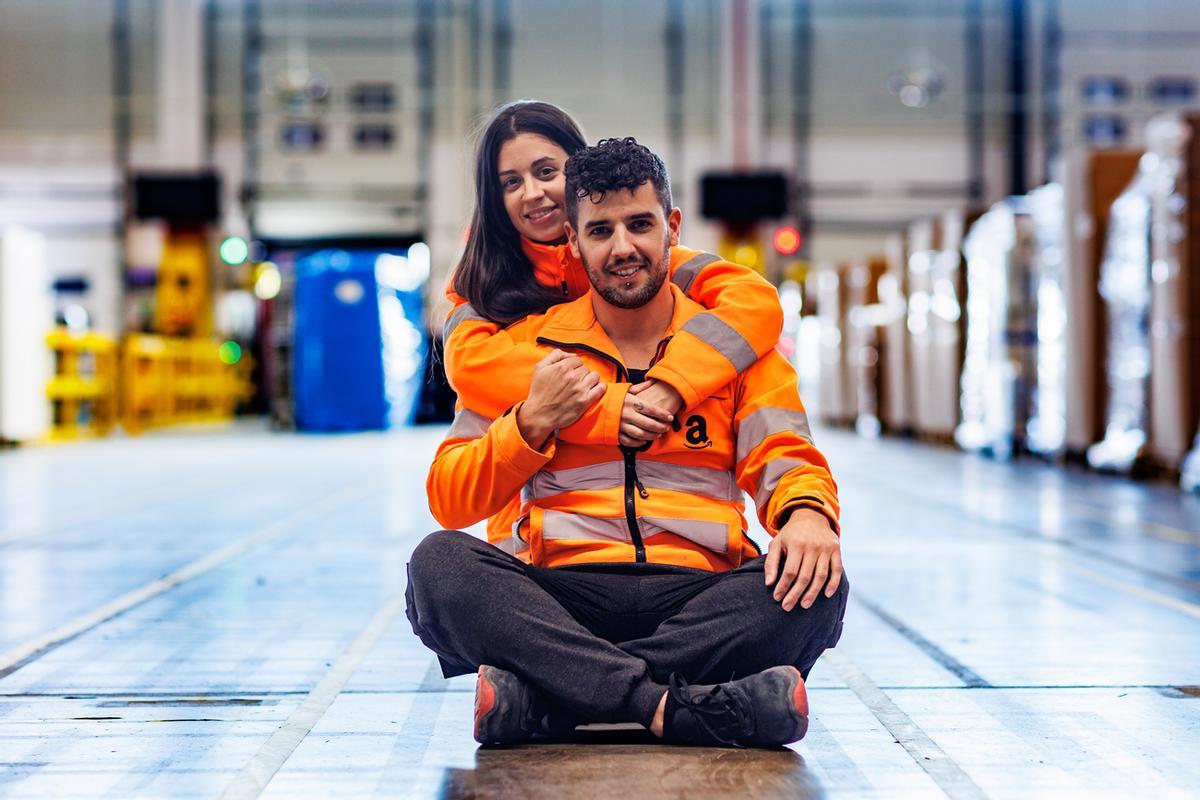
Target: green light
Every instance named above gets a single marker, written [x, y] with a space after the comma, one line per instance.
[234, 250]
[230, 352]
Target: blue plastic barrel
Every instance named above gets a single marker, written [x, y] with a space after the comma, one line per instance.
[338, 373]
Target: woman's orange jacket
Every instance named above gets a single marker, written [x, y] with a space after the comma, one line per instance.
[678, 502]
[741, 320]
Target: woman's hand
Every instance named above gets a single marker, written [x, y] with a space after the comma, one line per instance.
[561, 390]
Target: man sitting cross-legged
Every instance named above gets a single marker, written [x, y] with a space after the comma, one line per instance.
[629, 591]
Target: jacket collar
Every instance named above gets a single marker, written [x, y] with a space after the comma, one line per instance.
[575, 322]
[555, 266]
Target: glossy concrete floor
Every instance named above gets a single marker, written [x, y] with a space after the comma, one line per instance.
[218, 613]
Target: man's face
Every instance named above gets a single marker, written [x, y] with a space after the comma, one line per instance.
[624, 242]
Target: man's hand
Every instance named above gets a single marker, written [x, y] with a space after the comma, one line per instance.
[811, 557]
[648, 411]
[561, 390]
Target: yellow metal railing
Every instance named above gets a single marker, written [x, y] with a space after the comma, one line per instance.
[168, 380]
[83, 391]
[162, 380]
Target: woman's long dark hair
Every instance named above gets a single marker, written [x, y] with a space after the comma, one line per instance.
[494, 275]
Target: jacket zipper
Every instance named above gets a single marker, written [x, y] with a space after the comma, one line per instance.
[622, 372]
[632, 482]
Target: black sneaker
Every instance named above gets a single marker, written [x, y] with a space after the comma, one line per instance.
[510, 711]
[767, 709]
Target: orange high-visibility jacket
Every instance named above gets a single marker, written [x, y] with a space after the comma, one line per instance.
[741, 321]
[678, 502]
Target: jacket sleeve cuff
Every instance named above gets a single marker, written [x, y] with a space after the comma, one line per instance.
[513, 448]
[691, 398]
[781, 517]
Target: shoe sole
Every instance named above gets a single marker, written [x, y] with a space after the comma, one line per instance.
[492, 707]
[485, 704]
[799, 703]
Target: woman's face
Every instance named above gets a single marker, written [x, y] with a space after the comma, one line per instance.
[532, 184]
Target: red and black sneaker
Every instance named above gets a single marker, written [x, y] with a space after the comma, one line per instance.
[767, 709]
[510, 711]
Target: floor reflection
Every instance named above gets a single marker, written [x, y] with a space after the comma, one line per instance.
[554, 771]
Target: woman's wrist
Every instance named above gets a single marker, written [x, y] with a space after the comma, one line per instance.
[532, 427]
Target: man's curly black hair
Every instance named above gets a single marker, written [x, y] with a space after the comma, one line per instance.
[611, 165]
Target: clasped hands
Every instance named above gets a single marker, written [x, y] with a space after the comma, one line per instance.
[563, 388]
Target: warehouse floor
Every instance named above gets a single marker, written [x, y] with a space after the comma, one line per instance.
[220, 612]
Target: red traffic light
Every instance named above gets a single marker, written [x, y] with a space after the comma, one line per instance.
[786, 240]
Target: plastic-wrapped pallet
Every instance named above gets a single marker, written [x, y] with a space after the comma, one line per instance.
[836, 397]
[921, 255]
[947, 319]
[1189, 474]
[1152, 309]
[1190, 471]
[1125, 288]
[934, 322]
[1047, 428]
[866, 318]
[895, 405]
[986, 247]
[999, 367]
[1092, 182]
[1174, 160]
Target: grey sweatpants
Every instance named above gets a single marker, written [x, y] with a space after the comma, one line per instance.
[603, 639]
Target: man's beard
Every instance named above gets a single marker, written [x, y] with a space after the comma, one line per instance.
[616, 295]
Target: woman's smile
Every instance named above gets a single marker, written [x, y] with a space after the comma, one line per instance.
[543, 215]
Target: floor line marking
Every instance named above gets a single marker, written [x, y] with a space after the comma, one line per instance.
[970, 678]
[17, 657]
[1159, 530]
[945, 771]
[261, 768]
[403, 765]
[1191, 609]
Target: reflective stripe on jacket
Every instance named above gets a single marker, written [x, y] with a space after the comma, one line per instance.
[740, 322]
[678, 502]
